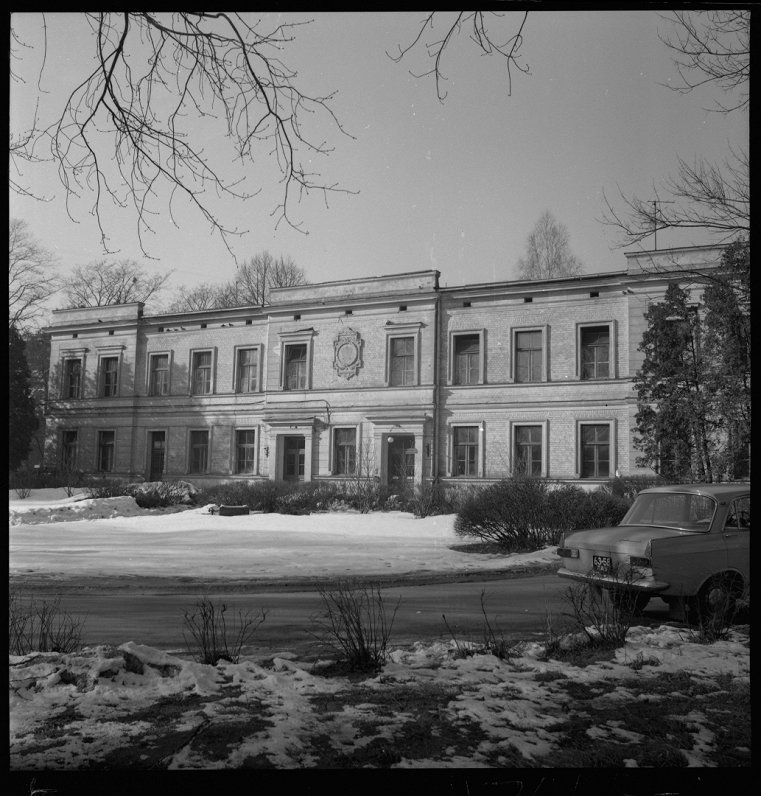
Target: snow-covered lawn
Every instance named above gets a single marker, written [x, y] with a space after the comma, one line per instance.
[663, 699]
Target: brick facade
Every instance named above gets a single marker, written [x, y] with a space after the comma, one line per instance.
[460, 383]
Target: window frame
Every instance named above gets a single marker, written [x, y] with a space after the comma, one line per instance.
[65, 391]
[453, 370]
[152, 356]
[238, 350]
[292, 338]
[544, 374]
[99, 450]
[544, 425]
[612, 349]
[68, 466]
[197, 352]
[334, 449]
[190, 449]
[612, 448]
[452, 428]
[102, 359]
[395, 331]
[253, 446]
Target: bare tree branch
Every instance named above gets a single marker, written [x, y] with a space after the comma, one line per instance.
[712, 47]
[107, 282]
[548, 251]
[481, 27]
[31, 276]
[129, 128]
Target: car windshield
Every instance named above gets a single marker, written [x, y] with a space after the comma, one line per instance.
[682, 510]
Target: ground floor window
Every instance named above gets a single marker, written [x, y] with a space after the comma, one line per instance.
[106, 447]
[245, 449]
[465, 451]
[344, 451]
[595, 450]
[199, 451]
[68, 450]
[528, 450]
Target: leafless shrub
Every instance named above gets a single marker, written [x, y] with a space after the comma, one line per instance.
[41, 626]
[357, 624]
[209, 636]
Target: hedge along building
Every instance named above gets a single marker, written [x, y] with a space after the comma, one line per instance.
[394, 377]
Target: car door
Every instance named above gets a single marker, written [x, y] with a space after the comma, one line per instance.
[736, 534]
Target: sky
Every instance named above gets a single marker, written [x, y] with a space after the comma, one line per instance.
[454, 186]
[280, 708]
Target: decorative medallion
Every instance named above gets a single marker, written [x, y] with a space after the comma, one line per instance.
[348, 353]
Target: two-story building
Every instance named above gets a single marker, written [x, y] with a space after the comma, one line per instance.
[393, 376]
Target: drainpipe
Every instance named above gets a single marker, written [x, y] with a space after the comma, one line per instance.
[436, 371]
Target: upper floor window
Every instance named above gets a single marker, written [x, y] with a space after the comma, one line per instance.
[466, 367]
[245, 450]
[201, 373]
[465, 451]
[344, 451]
[295, 376]
[528, 450]
[106, 447]
[109, 372]
[402, 361]
[68, 450]
[246, 379]
[594, 350]
[199, 451]
[529, 357]
[595, 450]
[158, 380]
[72, 378]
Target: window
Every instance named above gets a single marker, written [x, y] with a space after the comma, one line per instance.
[595, 352]
[465, 451]
[72, 378]
[467, 359]
[402, 364]
[344, 451]
[106, 446]
[248, 370]
[201, 373]
[245, 450]
[68, 450]
[199, 451]
[295, 367]
[528, 450]
[109, 370]
[528, 356]
[595, 450]
[159, 375]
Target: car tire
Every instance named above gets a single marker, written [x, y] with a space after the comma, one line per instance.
[718, 594]
[635, 602]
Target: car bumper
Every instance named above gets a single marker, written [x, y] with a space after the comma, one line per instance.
[649, 585]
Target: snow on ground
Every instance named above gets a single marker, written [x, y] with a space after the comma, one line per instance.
[138, 707]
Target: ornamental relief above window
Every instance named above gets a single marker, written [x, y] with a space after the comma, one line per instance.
[347, 356]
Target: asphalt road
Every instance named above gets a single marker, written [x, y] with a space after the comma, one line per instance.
[517, 607]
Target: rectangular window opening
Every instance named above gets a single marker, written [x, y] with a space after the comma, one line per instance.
[344, 451]
[465, 451]
[467, 359]
[595, 352]
[402, 364]
[295, 367]
[245, 451]
[528, 356]
[199, 451]
[201, 373]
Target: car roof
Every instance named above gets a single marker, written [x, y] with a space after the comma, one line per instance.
[722, 491]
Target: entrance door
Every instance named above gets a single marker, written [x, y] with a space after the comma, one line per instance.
[293, 458]
[401, 458]
[158, 450]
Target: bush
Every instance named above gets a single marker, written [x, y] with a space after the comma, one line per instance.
[630, 486]
[157, 494]
[210, 637]
[433, 498]
[41, 626]
[357, 625]
[104, 488]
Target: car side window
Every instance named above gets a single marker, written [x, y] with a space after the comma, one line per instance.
[739, 514]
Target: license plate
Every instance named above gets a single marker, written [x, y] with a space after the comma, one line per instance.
[602, 563]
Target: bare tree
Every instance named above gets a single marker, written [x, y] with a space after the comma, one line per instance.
[31, 275]
[485, 29]
[548, 252]
[130, 125]
[712, 47]
[251, 286]
[708, 48]
[108, 282]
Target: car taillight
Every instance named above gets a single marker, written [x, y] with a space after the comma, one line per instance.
[567, 552]
[639, 561]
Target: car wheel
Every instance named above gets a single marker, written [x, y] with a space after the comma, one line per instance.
[717, 600]
[636, 602]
